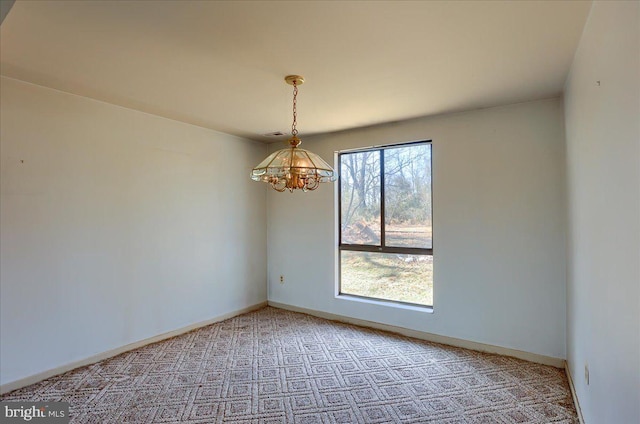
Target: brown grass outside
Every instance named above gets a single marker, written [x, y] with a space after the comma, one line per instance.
[403, 278]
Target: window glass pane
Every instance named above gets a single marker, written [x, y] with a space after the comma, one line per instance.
[407, 179]
[360, 202]
[403, 278]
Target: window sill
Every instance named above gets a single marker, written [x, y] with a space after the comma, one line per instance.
[387, 303]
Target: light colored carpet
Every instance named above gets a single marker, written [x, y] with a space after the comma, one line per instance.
[275, 366]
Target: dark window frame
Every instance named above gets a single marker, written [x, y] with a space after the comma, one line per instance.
[382, 248]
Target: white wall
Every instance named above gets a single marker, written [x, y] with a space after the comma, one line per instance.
[499, 229]
[117, 226]
[603, 152]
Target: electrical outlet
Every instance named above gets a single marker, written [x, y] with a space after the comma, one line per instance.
[586, 373]
[282, 279]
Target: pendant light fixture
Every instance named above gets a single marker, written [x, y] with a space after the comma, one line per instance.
[293, 168]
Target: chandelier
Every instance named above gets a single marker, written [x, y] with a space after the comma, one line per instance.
[293, 168]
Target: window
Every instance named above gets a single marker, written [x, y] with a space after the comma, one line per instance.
[386, 246]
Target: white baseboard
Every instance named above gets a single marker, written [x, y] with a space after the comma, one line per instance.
[436, 338]
[35, 378]
[573, 392]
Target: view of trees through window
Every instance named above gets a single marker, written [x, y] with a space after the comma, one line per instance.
[386, 248]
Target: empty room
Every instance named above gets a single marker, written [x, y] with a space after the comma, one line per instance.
[320, 211]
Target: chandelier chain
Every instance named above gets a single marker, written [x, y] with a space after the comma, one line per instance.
[294, 130]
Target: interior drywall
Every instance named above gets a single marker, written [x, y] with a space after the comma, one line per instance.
[5, 7]
[602, 109]
[117, 226]
[499, 229]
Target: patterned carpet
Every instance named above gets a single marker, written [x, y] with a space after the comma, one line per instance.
[275, 366]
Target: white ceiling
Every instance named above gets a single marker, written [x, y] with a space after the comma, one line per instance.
[221, 65]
